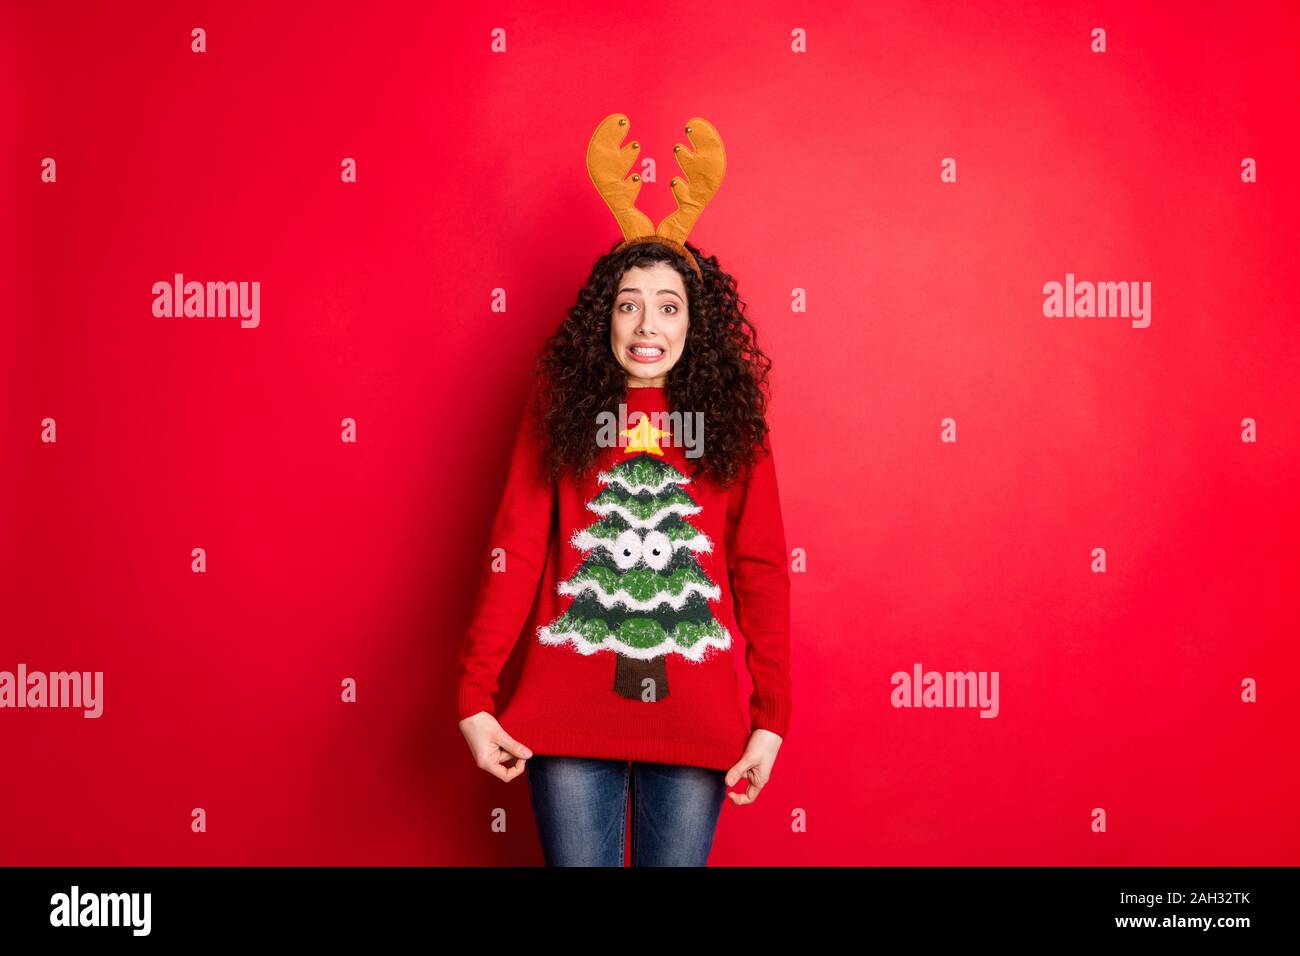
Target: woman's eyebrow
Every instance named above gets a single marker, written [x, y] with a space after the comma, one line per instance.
[660, 292]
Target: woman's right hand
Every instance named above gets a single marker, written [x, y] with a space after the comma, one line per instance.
[494, 750]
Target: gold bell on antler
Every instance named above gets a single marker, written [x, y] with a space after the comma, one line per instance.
[608, 163]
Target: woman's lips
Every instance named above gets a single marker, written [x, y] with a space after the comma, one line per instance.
[645, 359]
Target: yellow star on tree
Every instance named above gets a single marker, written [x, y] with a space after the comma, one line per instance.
[644, 437]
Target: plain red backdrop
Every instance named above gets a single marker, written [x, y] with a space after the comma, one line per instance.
[329, 560]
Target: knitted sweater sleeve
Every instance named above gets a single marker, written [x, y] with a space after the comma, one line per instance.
[760, 585]
[509, 580]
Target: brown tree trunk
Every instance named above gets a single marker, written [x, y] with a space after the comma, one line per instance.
[630, 674]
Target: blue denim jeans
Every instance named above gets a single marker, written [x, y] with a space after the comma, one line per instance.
[581, 809]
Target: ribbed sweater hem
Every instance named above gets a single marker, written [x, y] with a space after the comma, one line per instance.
[565, 744]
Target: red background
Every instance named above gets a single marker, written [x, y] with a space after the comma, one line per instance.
[328, 560]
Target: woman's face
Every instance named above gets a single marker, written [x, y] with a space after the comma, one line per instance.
[648, 328]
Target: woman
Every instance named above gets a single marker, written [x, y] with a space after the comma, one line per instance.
[650, 552]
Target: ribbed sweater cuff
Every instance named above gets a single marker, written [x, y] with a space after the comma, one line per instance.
[772, 715]
[470, 700]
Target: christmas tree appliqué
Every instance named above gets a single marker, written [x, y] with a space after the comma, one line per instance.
[640, 592]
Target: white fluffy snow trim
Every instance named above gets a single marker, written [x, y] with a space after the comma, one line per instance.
[609, 478]
[611, 643]
[584, 540]
[622, 597]
[647, 524]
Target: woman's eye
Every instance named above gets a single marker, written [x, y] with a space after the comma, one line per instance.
[625, 304]
[671, 306]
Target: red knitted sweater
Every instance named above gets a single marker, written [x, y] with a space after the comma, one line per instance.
[648, 583]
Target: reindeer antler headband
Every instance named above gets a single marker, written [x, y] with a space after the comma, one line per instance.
[608, 163]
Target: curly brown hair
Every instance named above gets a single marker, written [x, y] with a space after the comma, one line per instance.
[721, 372]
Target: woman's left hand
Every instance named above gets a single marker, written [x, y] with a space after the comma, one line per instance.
[755, 765]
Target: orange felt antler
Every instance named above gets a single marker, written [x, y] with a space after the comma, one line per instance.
[608, 163]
